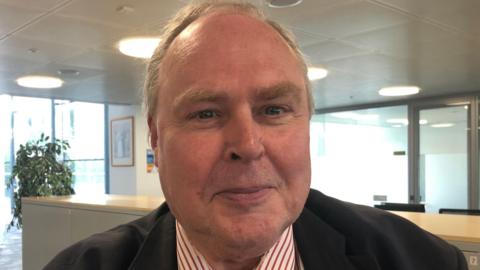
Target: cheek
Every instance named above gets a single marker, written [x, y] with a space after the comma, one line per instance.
[187, 161]
[290, 153]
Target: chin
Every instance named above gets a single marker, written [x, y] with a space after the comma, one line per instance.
[255, 233]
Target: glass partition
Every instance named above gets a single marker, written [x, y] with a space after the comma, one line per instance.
[361, 156]
[443, 170]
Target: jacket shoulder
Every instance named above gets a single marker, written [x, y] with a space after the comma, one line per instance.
[392, 241]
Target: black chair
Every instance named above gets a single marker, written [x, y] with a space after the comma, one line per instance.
[470, 212]
[408, 207]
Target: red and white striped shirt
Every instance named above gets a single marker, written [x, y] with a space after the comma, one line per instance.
[282, 256]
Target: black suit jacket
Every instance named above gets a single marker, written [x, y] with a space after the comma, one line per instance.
[330, 235]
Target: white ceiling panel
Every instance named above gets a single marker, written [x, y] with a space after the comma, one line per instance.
[308, 10]
[404, 40]
[305, 39]
[12, 17]
[330, 50]
[37, 50]
[36, 4]
[15, 64]
[350, 19]
[137, 13]
[73, 32]
[110, 61]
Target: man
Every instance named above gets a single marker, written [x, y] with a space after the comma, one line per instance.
[229, 104]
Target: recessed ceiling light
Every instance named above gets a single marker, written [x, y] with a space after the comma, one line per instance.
[394, 91]
[140, 47]
[43, 82]
[283, 3]
[442, 125]
[315, 73]
[397, 126]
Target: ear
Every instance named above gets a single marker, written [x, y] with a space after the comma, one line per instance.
[152, 126]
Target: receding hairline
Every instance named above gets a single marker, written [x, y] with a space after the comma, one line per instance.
[186, 18]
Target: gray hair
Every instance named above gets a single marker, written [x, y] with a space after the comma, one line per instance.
[190, 14]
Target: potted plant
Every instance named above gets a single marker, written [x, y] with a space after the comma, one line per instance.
[38, 171]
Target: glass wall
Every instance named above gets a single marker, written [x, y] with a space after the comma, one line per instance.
[361, 156]
[443, 170]
[82, 125]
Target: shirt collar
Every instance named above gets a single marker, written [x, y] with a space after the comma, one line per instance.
[283, 255]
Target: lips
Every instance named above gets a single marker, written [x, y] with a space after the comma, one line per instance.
[249, 195]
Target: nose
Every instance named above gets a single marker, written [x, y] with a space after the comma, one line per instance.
[243, 138]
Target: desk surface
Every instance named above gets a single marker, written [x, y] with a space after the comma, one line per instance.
[449, 227]
[102, 202]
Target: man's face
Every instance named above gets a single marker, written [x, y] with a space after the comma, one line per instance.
[231, 132]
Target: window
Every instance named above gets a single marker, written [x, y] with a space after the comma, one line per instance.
[83, 126]
[23, 119]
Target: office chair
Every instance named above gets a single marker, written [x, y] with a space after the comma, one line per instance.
[408, 207]
[471, 212]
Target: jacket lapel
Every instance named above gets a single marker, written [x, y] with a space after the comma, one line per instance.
[159, 248]
[322, 247]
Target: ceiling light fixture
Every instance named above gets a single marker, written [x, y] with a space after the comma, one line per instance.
[283, 3]
[140, 47]
[394, 91]
[42, 82]
[442, 125]
[315, 73]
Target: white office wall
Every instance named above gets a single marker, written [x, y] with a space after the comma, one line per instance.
[122, 179]
[134, 180]
[147, 183]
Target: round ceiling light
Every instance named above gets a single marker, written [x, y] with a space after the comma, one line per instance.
[42, 82]
[315, 73]
[283, 3]
[140, 47]
[395, 91]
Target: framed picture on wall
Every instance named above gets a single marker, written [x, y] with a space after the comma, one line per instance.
[121, 142]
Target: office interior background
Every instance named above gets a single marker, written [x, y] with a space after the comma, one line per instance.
[365, 147]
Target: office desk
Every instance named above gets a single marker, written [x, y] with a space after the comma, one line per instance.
[460, 230]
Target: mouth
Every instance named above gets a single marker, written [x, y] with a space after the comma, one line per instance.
[245, 196]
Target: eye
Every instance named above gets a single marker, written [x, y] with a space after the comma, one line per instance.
[204, 115]
[274, 110]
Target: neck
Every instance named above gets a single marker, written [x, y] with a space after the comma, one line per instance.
[227, 254]
[248, 264]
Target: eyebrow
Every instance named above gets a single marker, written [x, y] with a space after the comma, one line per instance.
[280, 90]
[193, 95]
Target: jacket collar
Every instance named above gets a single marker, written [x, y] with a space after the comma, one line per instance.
[320, 246]
[159, 248]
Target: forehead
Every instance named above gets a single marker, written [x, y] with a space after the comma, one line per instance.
[228, 51]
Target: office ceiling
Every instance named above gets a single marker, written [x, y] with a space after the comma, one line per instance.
[365, 45]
